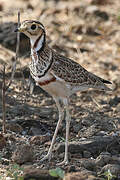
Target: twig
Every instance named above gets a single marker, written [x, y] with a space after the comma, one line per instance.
[16, 57]
[3, 101]
[95, 101]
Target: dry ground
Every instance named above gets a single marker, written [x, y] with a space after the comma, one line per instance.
[88, 32]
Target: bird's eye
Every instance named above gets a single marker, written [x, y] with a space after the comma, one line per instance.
[33, 27]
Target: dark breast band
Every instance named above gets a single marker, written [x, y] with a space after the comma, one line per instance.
[46, 82]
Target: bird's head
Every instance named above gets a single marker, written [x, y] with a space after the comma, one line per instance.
[33, 29]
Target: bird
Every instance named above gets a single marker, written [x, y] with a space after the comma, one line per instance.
[58, 75]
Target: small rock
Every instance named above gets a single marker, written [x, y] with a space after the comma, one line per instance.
[35, 131]
[93, 145]
[38, 140]
[113, 168]
[2, 141]
[22, 154]
[36, 173]
[14, 127]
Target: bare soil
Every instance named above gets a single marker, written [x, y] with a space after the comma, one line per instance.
[87, 31]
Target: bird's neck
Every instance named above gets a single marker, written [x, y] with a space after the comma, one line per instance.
[38, 44]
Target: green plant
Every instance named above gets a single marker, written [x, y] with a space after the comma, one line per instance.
[58, 172]
[62, 139]
[15, 172]
[109, 175]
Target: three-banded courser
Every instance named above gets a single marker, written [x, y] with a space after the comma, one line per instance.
[56, 74]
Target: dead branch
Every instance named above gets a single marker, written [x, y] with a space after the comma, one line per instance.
[3, 101]
[17, 53]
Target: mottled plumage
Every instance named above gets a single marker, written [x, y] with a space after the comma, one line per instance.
[57, 74]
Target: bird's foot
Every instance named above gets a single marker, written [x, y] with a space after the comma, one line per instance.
[48, 156]
[65, 162]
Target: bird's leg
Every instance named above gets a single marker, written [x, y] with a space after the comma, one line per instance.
[48, 156]
[68, 119]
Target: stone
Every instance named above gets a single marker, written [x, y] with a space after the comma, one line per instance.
[94, 145]
[34, 131]
[23, 154]
[37, 173]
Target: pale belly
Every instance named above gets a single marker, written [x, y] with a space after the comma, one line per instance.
[55, 87]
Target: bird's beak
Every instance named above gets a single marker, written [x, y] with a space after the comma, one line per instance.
[17, 30]
[20, 29]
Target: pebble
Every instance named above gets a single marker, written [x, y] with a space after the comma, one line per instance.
[23, 154]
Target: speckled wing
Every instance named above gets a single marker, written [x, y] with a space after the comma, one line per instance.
[74, 74]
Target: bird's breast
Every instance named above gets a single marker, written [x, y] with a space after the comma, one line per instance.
[47, 79]
[53, 86]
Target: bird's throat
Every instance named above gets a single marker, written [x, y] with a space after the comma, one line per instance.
[39, 43]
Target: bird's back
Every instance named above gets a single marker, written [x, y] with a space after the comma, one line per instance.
[75, 75]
